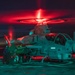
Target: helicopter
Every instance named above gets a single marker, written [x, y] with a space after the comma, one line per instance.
[42, 42]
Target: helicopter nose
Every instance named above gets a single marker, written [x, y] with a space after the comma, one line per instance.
[74, 47]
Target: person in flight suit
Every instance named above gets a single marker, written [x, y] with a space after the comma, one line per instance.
[9, 54]
[6, 55]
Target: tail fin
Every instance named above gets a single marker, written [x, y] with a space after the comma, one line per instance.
[7, 40]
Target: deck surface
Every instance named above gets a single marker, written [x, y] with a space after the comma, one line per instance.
[38, 69]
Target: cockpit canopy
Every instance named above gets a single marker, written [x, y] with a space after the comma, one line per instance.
[59, 38]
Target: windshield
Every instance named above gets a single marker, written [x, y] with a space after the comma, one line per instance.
[68, 37]
[60, 39]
